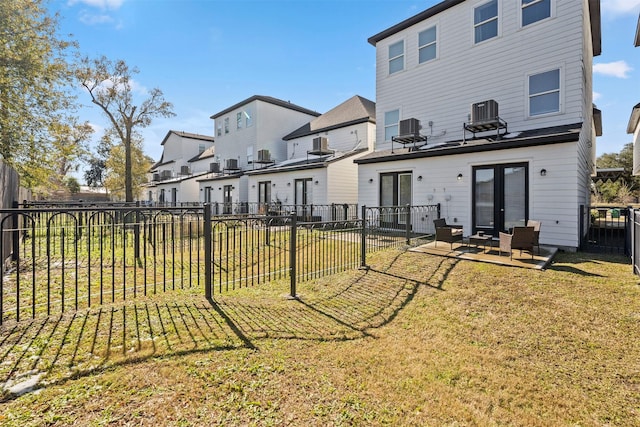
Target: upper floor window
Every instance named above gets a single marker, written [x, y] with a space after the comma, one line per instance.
[391, 119]
[250, 154]
[201, 148]
[427, 45]
[226, 125]
[544, 93]
[239, 121]
[396, 57]
[535, 10]
[219, 130]
[248, 118]
[485, 21]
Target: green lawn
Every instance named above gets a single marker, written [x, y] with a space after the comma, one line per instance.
[416, 340]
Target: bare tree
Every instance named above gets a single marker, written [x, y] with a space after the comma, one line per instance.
[111, 87]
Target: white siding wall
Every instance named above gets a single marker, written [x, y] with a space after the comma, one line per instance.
[553, 199]
[443, 89]
[270, 124]
[343, 181]
[341, 140]
[284, 189]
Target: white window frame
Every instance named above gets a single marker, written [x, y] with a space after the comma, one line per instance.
[559, 90]
[248, 118]
[486, 21]
[433, 43]
[226, 125]
[524, 6]
[239, 120]
[394, 58]
[250, 154]
[387, 126]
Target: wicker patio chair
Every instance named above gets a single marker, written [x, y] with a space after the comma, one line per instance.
[447, 233]
[522, 239]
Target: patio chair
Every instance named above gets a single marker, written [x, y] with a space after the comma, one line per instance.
[447, 233]
[522, 238]
[536, 232]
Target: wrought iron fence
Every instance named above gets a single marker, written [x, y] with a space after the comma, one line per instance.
[75, 258]
[608, 229]
[69, 258]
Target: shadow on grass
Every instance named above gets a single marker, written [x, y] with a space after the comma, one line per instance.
[78, 344]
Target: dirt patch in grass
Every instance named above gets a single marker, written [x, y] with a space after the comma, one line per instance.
[415, 340]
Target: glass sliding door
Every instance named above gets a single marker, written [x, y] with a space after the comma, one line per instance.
[227, 199]
[500, 197]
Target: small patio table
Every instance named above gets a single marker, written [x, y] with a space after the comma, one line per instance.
[480, 239]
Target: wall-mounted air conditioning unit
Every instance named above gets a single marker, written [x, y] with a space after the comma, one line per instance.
[185, 170]
[321, 145]
[165, 174]
[231, 164]
[214, 167]
[156, 177]
[409, 127]
[264, 156]
[486, 111]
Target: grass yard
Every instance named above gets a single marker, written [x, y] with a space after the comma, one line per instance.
[417, 340]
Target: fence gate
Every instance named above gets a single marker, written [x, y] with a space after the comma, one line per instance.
[609, 229]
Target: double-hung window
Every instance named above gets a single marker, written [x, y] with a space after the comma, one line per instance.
[535, 10]
[239, 121]
[427, 45]
[391, 119]
[544, 93]
[396, 57]
[485, 21]
[226, 125]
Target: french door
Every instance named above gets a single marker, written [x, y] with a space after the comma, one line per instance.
[227, 199]
[395, 190]
[303, 197]
[500, 197]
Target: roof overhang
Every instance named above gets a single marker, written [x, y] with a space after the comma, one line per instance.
[597, 121]
[634, 120]
[637, 40]
[572, 134]
[596, 34]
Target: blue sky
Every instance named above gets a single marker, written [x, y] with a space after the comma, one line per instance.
[206, 55]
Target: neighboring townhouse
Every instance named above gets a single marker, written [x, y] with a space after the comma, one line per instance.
[318, 176]
[485, 106]
[173, 177]
[634, 121]
[248, 137]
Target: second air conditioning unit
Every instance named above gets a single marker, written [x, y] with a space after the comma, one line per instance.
[232, 164]
[185, 170]
[214, 167]
[165, 174]
[486, 111]
[409, 127]
[320, 145]
[264, 156]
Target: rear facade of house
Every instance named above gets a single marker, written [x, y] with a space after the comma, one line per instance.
[486, 108]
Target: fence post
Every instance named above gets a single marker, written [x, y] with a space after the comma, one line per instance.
[136, 232]
[15, 250]
[363, 240]
[292, 255]
[206, 229]
[407, 227]
[438, 211]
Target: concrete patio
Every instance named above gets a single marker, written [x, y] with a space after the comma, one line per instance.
[490, 254]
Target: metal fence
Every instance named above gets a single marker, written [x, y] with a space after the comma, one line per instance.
[70, 258]
[608, 230]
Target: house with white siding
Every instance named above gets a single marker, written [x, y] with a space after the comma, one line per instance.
[183, 160]
[249, 136]
[485, 107]
[318, 170]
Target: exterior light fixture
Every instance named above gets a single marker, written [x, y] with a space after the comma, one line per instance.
[459, 176]
[370, 180]
[543, 172]
[419, 177]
